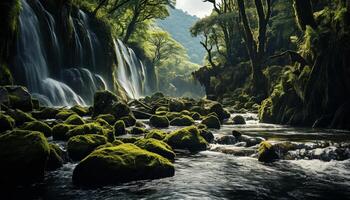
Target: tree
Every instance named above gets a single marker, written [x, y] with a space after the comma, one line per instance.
[256, 48]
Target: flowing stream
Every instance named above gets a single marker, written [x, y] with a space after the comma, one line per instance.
[235, 174]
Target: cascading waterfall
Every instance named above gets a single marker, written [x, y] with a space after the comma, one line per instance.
[131, 71]
[32, 57]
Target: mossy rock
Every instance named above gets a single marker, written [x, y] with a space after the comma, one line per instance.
[199, 109]
[85, 129]
[212, 122]
[80, 110]
[129, 139]
[119, 128]
[20, 98]
[121, 110]
[184, 120]
[104, 123]
[156, 134]
[74, 120]
[46, 113]
[59, 131]
[38, 126]
[267, 153]
[64, 114]
[55, 159]
[186, 112]
[6, 123]
[80, 146]
[20, 117]
[123, 163]
[156, 96]
[207, 135]
[108, 118]
[173, 115]
[187, 138]
[23, 157]
[128, 120]
[196, 116]
[156, 146]
[162, 108]
[238, 119]
[219, 110]
[138, 131]
[176, 105]
[103, 102]
[159, 121]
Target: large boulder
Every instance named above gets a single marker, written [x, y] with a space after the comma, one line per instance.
[38, 126]
[212, 122]
[238, 119]
[55, 160]
[6, 123]
[187, 138]
[156, 146]
[119, 128]
[91, 128]
[19, 98]
[176, 105]
[184, 120]
[46, 113]
[219, 110]
[122, 163]
[104, 102]
[59, 131]
[74, 120]
[267, 153]
[20, 117]
[80, 110]
[156, 134]
[159, 121]
[23, 157]
[80, 146]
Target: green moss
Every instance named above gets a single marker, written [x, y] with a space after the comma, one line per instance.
[156, 134]
[80, 146]
[6, 123]
[173, 115]
[104, 123]
[207, 135]
[266, 152]
[161, 113]
[59, 131]
[212, 122]
[156, 146]
[129, 139]
[38, 126]
[138, 131]
[159, 121]
[199, 109]
[45, 113]
[108, 118]
[119, 128]
[122, 163]
[64, 114]
[162, 108]
[90, 128]
[186, 112]
[74, 120]
[20, 117]
[81, 111]
[23, 157]
[184, 120]
[187, 138]
[176, 105]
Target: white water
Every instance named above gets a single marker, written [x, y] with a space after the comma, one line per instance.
[130, 71]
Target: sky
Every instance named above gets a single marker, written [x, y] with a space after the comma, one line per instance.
[195, 7]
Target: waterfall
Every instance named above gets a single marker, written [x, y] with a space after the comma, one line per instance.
[130, 71]
[32, 58]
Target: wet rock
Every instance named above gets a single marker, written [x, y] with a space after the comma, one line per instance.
[184, 120]
[19, 98]
[172, 115]
[20, 117]
[23, 157]
[156, 134]
[226, 139]
[187, 138]
[74, 120]
[238, 119]
[219, 110]
[212, 122]
[207, 135]
[176, 105]
[38, 126]
[80, 110]
[236, 134]
[129, 139]
[196, 116]
[138, 131]
[251, 141]
[156, 146]
[128, 120]
[80, 146]
[4, 97]
[90, 128]
[55, 159]
[119, 128]
[234, 150]
[46, 113]
[159, 121]
[104, 102]
[110, 119]
[199, 109]
[267, 153]
[6, 123]
[64, 114]
[123, 163]
[59, 131]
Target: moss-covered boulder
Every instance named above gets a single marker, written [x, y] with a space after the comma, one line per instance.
[85, 129]
[104, 102]
[162, 109]
[207, 135]
[45, 113]
[55, 159]
[108, 118]
[123, 163]
[156, 146]
[59, 131]
[121, 110]
[19, 98]
[129, 120]
[23, 157]
[38, 126]
[159, 121]
[176, 105]
[80, 110]
[80, 146]
[20, 117]
[138, 131]
[238, 119]
[220, 111]
[212, 122]
[196, 116]
[184, 120]
[187, 138]
[6, 123]
[199, 109]
[119, 128]
[172, 115]
[74, 120]
[64, 114]
[156, 134]
[129, 139]
[267, 152]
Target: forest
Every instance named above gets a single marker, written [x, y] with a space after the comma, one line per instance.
[147, 99]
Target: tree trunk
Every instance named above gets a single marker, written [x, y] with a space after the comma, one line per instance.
[304, 14]
[131, 28]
